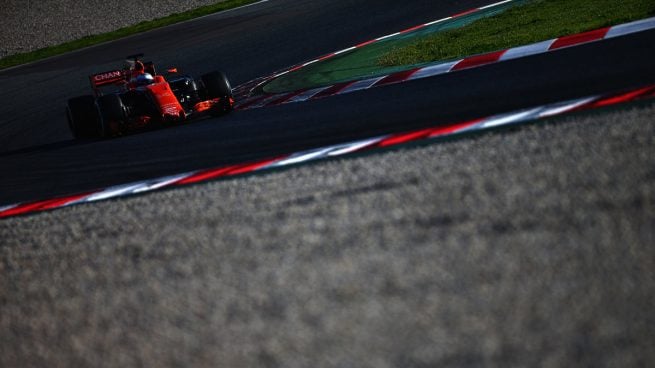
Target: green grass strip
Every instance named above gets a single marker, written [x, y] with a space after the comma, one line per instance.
[87, 41]
[533, 22]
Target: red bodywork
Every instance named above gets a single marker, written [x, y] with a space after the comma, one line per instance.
[169, 106]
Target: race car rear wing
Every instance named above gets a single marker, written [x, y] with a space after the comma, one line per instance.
[107, 78]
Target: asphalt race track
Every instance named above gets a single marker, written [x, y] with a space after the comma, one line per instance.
[36, 142]
[521, 248]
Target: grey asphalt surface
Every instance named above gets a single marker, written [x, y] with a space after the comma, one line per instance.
[74, 167]
[531, 247]
[519, 248]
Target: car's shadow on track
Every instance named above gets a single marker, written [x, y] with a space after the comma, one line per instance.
[78, 142]
[73, 142]
[47, 147]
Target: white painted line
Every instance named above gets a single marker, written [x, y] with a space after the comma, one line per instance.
[438, 21]
[560, 108]
[356, 146]
[509, 118]
[303, 157]
[263, 83]
[495, 4]
[131, 188]
[111, 192]
[274, 76]
[433, 70]
[5, 208]
[387, 36]
[632, 27]
[243, 6]
[533, 49]
[163, 182]
[222, 12]
[458, 130]
[476, 126]
[310, 62]
[307, 94]
[362, 84]
[324, 152]
[263, 167]
[345, 50]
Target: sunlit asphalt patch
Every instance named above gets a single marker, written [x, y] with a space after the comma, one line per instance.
[391, 140]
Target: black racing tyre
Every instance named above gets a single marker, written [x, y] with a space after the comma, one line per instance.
[112, 115]
[216, 85]
[82, 117]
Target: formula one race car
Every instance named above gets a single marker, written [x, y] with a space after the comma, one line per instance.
[136, 97]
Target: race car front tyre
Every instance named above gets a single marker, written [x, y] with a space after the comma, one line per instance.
[216, 85]
[112, 115]
[82, 117]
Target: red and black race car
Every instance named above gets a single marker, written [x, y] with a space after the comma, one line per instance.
[137, 97]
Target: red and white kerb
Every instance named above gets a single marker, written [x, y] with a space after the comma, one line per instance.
[267, 100]
[390, 140]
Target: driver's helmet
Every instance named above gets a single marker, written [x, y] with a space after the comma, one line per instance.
[144, 79]
[138, 66]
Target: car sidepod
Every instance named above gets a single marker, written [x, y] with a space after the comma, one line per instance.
[167, 103]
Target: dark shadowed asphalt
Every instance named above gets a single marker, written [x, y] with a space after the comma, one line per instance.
[36, 143]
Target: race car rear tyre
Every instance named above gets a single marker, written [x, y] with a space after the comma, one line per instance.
[216, 85]
[82, 117]
[112, 115]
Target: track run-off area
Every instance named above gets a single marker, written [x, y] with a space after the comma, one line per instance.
[523, 246]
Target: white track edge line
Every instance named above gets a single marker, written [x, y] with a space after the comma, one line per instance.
[495, 4]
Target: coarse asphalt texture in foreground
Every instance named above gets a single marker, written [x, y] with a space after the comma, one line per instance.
[521, 248]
